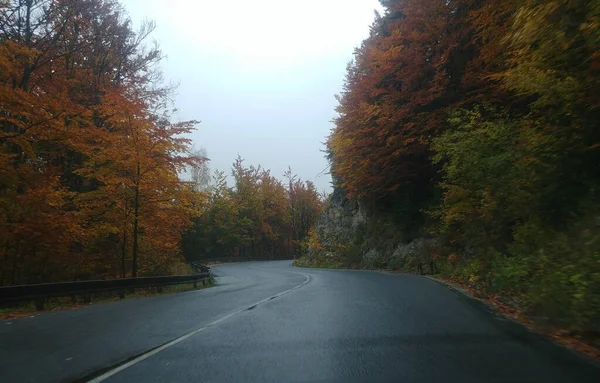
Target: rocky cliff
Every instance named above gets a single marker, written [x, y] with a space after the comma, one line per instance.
[349, 234]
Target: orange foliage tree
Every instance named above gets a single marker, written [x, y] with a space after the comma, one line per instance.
[421, 58]
[259, 216]
[89, 159]
[480, 118]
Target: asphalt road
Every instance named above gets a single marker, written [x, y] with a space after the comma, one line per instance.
[270, 322]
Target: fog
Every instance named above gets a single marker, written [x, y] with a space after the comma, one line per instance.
[260, 75]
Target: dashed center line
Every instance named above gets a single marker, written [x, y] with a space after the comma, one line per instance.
[156, 350]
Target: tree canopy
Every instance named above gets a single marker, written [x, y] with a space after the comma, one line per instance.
[477, 122]
[92, 163]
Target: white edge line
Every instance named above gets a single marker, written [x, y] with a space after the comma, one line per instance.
[145, 356]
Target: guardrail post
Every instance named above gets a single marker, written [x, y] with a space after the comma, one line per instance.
[204, 283]
[39, 304]
[122, 294]
[195, 284]
[87, 297]
[159, 289]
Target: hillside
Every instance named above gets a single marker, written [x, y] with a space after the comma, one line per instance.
[468, 134]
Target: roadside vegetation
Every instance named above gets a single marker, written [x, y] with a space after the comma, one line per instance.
[474, 125]
[98, 180]
[467, 134]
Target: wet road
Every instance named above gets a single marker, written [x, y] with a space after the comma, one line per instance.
[270, 322]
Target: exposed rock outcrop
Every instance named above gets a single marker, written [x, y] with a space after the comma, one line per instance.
[348, 234]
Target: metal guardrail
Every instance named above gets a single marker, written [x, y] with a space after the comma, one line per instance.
[203, 273]
[41, 292]
[200, 268]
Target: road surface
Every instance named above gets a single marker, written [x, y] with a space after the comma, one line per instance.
[271, 322]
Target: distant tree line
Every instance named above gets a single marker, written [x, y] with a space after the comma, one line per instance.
[259, 216]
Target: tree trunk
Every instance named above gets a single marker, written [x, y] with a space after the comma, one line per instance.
[124, 253]
[28, 34]
[14, 266]
[136, 220]
[194, 234]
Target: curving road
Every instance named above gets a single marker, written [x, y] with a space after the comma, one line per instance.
[270, 322]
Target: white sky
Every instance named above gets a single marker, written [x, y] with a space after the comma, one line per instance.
[261, 75]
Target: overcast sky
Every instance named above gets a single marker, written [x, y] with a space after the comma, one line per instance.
[261, 75]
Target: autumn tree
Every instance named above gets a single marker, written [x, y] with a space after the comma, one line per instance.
[257, 217]
[304, 206]
[90, 159]
[521, 176]
[200, 173]
[476, 122]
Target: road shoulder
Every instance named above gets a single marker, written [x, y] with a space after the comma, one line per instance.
[519, 325]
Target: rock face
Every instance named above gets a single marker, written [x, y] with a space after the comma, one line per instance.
[340, 221]
[395, 254]
[336, 229]
[351, 235]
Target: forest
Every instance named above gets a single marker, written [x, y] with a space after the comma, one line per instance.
[473, 123]
[93, 163]
[476, 123]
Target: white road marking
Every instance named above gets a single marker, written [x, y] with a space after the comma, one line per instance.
[145, 356]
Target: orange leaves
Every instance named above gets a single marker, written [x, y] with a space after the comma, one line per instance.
[402, 79]
[260, 216]
[89, 158]
[13, 56]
